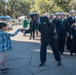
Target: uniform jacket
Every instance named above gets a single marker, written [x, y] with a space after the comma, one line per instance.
[73, 31]
[46, 29]
[61, 26]
[55, 21]
[70, 21]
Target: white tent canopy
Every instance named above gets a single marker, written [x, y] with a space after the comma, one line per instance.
[21, 17]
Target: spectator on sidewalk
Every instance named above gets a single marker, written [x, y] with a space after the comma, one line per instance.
[5, 45]
[25, 24]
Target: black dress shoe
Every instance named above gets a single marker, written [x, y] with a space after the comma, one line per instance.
[61, 53]
[41, 64]
[59, 63]
[71, 54]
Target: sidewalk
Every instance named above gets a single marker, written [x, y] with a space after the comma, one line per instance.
[24, 59]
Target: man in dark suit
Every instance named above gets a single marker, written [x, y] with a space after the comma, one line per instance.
[70, 21]
[73, 38]
[61, 27]
[32, 34]
[48, 36]
[56, 18]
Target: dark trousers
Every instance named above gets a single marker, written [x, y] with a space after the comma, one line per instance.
[68, 43]
[36, 31]
[73, 45]
[43, 50]
[32, 35]
[61, 42]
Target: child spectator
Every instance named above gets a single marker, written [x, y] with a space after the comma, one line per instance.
[5, 45]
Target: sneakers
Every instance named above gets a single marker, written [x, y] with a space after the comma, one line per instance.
[5, 69]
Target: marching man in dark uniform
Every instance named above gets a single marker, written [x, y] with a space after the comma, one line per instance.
[73, 39]
[70, 21]
[56, 18]
[61, 29]
[51, 17]
[48, 36]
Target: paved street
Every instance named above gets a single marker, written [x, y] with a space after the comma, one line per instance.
[24, 59]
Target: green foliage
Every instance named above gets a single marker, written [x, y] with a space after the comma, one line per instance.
[45, 6]
[64, 4]
[24, 7]
[15, 7]
[2, 7]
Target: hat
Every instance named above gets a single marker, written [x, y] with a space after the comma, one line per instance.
[51, 14]
[57, 13]
[72, 11]
[33, 13]
[61, 13]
